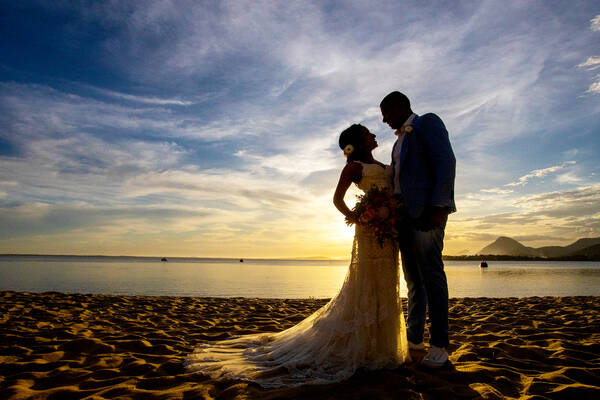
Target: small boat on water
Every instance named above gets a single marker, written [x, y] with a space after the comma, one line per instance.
[483, 264]
[163, 259]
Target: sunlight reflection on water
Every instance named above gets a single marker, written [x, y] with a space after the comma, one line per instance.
[281, 278]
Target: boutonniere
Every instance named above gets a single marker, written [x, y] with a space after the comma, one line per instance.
[404, 129]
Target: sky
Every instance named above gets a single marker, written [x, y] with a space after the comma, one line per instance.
[210, 128]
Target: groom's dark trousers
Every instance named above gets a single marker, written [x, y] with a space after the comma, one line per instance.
[423, 269]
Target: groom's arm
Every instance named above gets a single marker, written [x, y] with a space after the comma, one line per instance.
[435, 138]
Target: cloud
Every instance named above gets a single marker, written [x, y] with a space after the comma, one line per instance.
[537, 238]
[595, 87]
[595, 23]
[539, 173]
[143, 99]
[568, 178]
[315, 67]
[497, 191]
[591, 63]
[78, 149]
[571, 153]
[32, 110]
[321, 182]
[242, 189]
[44, 219]
[82, 167]
[584, 201]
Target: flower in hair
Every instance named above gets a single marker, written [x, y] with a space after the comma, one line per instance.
[348, 150]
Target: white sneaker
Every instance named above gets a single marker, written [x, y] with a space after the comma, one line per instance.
[436, 357]
[416, 346]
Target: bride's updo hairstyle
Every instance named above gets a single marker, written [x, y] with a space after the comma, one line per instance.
[355, 136]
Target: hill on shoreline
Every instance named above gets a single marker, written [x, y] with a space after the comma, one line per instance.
[506, 246]
[586, 249]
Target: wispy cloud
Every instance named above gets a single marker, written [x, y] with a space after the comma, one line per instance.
[539, 173]
[144, 99]
[595, 87]
[568, 178]
[33, 110]
[582, 201]
[595, 23]
[497, 191]
[591, 63]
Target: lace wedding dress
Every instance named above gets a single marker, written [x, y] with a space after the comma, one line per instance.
[361, 327]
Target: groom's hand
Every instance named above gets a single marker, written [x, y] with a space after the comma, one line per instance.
[438, 217]
[433, 217]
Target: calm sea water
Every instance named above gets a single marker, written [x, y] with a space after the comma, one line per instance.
[277, 278]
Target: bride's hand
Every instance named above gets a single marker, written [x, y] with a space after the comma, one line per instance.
[352, 218]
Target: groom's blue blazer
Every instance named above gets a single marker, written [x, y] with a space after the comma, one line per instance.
[427, 166]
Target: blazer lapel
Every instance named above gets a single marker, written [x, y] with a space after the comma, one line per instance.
[405, 143]
[404, 150]
[393, 162]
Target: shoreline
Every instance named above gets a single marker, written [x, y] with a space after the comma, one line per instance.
[75, 345]
[176, 258]
[476, 257]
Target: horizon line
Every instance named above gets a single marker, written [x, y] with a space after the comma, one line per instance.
[303, 258]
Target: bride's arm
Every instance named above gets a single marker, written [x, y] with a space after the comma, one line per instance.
[352, 172]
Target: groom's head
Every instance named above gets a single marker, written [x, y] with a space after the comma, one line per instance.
[395, 109]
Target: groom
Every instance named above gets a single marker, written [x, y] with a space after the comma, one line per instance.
[424, 169]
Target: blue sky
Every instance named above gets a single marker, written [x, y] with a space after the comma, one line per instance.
[209, 128]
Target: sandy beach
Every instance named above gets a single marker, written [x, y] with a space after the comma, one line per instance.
[67, 346]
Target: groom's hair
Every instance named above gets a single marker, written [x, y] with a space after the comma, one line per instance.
[395, 98]
[354, 136]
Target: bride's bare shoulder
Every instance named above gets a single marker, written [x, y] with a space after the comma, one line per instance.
[353, 166]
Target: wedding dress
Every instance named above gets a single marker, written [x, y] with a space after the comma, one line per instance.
[361, 327]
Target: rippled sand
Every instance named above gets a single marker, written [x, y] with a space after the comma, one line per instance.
[65, 346]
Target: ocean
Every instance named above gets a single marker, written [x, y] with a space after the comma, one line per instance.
[206, 277]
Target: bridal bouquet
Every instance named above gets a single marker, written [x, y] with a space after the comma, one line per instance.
[380, 211]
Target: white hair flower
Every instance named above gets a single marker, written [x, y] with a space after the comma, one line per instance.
[348, 150]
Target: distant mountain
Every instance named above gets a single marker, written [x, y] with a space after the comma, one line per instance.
[509, 247]
[587, 247]
[575, 247]
[592, 252]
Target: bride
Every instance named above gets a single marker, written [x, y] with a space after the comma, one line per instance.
[361, 327]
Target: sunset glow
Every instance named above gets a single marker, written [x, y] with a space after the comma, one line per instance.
[174, 128]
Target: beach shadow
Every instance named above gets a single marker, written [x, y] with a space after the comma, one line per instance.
[411, 381]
